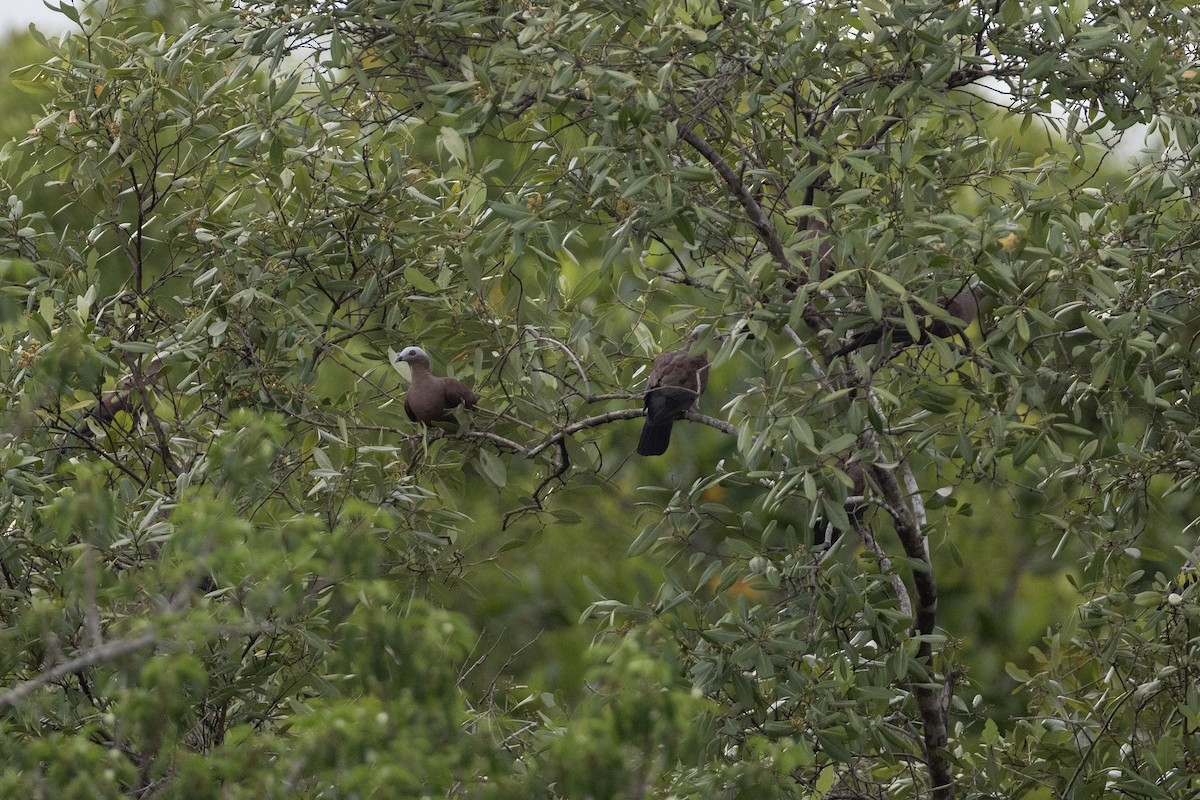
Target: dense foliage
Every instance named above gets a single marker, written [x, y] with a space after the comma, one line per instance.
[232, 567]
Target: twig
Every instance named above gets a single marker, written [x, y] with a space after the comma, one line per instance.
[601, 398]
[494, 438]
[538, 504]
[885, 563]
[907, 511]
[91, 611]
[529, 329]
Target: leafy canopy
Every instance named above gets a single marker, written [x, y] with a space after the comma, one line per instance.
[232, 566]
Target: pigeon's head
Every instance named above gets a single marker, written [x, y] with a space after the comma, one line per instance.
[412, 354]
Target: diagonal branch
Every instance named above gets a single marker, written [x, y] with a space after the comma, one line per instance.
[89, 658]
[754, 212]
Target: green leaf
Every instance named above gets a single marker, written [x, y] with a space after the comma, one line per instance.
[492, 468]
[416, 279]
[452, 142]
[280, 94]
[35, 88]
[852, 196]
[644, 541]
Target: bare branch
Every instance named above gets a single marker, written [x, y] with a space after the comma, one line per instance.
[89, 658]
[712, 422]
[754, 212]
[91, 611]
[584, 424]
[494, 438]
[532, 331]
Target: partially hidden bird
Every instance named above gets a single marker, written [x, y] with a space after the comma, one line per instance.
[677, 379]
[825, 532]
[122, 398]
[430, 398]
[963, 308]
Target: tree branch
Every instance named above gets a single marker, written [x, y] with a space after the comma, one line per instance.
[584, 424]
[91, 657]
[557, 436]
[907, 511]
[908, 517]
[754, 211]
[711, 422]
[885, 563]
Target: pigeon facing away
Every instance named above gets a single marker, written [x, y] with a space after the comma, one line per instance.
[963, 306]
[676, 381]
[430, 398]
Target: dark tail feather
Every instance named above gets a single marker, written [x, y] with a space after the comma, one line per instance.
[655, 438]
[825, 534]
[861, 340]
